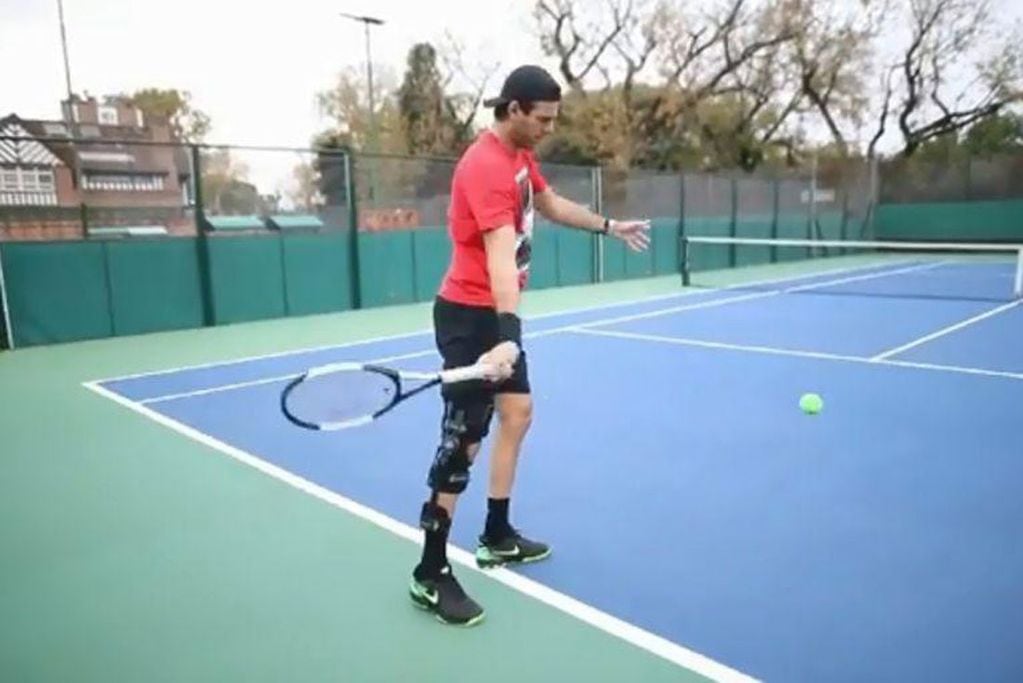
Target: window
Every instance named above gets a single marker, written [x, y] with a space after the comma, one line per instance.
[90, 131]
[55, 129]
[45, 181]
[27, 180]
[9, 180]
[108, 115]
[112, 182]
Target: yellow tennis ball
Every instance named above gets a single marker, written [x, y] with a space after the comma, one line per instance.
[811, 404]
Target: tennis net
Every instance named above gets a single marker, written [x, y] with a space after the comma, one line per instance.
[928, 270]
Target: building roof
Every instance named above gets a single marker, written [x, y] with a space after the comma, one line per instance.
[23, 152]
[100, 148]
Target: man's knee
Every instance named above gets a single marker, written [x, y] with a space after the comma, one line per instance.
[516, 412]
[463, 426]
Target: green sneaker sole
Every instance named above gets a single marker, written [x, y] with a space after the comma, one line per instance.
[487, 560]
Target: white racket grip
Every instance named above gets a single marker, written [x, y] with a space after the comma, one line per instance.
[332, 367]
[470, 372]
[346, 424]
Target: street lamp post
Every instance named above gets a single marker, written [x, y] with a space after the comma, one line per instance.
[366, 22]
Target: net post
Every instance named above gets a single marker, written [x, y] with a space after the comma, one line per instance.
[681, 234]
[733, 230]
[597, 181]
[684, 241]
[775, 213]
[1018, 288]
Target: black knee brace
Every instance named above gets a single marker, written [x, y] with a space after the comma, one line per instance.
[434, 518]
[461, 426]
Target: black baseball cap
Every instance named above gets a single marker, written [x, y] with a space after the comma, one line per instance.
[528, 83]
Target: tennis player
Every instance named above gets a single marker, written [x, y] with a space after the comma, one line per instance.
[495, 189]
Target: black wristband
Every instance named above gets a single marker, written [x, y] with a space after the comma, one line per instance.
[509, 328]
[607, 227]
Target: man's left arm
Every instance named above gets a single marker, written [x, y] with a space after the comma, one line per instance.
[558, 209]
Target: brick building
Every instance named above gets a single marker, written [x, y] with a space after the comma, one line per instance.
[112, 179]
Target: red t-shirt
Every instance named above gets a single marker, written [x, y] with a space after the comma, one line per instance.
[493, 185]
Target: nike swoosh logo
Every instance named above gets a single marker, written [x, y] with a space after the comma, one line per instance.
[433, 597]
[507, 553]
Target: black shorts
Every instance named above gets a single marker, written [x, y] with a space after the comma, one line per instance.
[464, 333]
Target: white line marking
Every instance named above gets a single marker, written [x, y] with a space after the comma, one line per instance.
[749, 297]
[612, 625]
[681, 341]
[541, 316]
[532, 335]
[868, 276]
[217, 389]
[837, 244]
[280, 378]
[715, 345]
[944, 331]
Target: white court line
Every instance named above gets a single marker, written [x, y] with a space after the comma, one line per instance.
[541, 316]
[280, 378]
[944, 331]
[266, 380]
[750, 297]
[532, 335]
[630, 633]
[681, 341]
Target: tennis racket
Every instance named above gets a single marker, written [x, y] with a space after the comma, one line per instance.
[345, 395]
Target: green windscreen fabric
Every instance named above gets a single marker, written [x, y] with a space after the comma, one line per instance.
[709, 257]
[614, 260]
[1000, 221]
[575, 257]
[637, 264]
[57, 291]
[664, 243]
[432, 252]
[154, 285]
[386, 267]
[317, 272]
[543, 265]
[246, 278]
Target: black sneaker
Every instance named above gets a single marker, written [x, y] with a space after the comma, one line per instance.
[513, 548]
[445, 598]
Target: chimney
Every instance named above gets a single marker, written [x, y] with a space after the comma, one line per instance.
[81, 110]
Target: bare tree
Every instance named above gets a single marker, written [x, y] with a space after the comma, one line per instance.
[834, 53]
[616, 40]
[466, 75]
[701, 52]
[942, 92]
[581, 41]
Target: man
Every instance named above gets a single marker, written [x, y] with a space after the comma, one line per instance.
[495, 188]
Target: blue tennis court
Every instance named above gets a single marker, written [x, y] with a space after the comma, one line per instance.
[694, 510]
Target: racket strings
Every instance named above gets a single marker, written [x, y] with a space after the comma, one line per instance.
[341, 396]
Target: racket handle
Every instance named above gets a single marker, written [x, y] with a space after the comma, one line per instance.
[470, 372]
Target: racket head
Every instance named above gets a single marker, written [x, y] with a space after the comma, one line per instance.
[340, 396]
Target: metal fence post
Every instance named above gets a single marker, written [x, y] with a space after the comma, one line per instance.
[353, 230]
[7, 339]
[202, 239]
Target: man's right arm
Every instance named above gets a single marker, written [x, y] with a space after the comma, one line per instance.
[500, 246]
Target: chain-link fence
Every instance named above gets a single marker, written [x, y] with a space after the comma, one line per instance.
[253, 233]
[957, 179]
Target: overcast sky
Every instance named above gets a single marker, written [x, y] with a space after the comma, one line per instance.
[254, 68]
